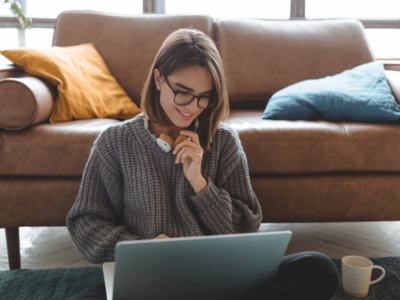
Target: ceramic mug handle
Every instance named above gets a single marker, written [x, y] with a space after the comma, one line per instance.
[380, 278]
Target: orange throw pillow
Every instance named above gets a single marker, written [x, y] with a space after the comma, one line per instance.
[86, 88]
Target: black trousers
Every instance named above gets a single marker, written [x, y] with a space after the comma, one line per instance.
[305, 275]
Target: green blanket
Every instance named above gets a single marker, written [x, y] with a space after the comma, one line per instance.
[65, 283]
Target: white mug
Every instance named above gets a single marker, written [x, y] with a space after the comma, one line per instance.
[356, 272]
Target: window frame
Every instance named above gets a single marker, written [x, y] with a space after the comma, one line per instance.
[297, 12]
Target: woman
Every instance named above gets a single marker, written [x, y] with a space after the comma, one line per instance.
[133, 189]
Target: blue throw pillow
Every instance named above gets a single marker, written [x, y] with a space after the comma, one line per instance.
[359, 94]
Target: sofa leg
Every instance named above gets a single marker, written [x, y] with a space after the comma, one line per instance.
[14, 258]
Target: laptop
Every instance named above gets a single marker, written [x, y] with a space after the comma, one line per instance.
[231, 266]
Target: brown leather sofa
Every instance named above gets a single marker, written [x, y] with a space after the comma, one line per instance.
[301, 171]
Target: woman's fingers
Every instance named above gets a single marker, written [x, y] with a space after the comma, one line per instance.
[185, 152]
[162, 236]
[194, 143]
[183, 146]
[193, 135]
[193, 154]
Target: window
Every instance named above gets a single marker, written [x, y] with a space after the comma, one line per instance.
[384, 42]
[42, 37]
[8, 40]
[360, 9]
[4, 10]
[52, 8]
[39, 38]
[262, 9]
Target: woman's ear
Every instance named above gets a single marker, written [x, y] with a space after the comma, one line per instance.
[157, 78]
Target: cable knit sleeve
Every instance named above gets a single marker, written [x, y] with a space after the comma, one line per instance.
[231, 206]
[95, 221]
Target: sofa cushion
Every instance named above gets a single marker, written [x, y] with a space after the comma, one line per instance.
[361, 94]
[86, 89]
[271, 146]
[25, 102]
[302, 146]
[127, 43]
[60, 149]
[262, 57]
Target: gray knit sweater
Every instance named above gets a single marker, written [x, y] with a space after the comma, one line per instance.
[131, 189]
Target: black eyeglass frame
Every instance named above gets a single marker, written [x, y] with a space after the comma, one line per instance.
[193, 96]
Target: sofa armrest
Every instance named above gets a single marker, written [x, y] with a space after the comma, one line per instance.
[393, 79]
[25, 100]
[12, 71]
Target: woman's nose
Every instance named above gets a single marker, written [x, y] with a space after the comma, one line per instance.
[192, 107]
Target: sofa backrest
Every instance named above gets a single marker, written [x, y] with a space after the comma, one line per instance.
[127, 43]
[260, 56]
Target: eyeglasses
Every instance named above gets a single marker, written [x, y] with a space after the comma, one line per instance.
[185, 98]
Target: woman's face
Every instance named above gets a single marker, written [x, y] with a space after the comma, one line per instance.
[196, 80]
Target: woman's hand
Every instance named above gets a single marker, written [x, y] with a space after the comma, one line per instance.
[164, 236]
[161, 236]
[190, 154]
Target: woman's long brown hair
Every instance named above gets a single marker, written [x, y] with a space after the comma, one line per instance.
[184, 48]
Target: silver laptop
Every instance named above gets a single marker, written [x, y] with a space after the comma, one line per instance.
[232, 266]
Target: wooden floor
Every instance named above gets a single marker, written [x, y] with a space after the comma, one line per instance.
[51, 247]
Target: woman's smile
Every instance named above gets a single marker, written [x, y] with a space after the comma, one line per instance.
[185, 117]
